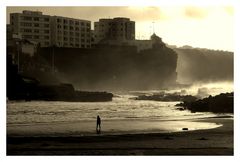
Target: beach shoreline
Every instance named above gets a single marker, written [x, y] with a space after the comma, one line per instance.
[217, 141]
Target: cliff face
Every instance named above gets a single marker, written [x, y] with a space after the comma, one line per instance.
[114, 67]
[202, 65]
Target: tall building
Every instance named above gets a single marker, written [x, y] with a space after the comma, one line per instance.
[51, 30]
[33, 26]
[69, 32]
[118, 29]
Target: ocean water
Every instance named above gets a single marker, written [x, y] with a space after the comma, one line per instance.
[122, 115]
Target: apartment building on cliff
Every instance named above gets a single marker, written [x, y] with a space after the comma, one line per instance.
[118, 29]
[51, 30]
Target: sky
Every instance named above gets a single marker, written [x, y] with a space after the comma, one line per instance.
[198, 26]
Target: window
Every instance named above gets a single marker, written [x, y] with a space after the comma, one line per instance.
[46, 19]
[36, 18]
[65, 39]
[46, 43]
[71, 33]
[71, 22]
[71, 27]
[27, 18]
[27, 36]
[27, 30]
[82, 40]
[77, 28]
[59, 20]
[71, 39]
[65, 21]
[77, 39]
[46, 25]
[65, 27]
[46, 37]
[76, 23]
[36, 36]
[77, 34]
[36, 25]
[59, 26]
[82, 35]
[82, 23]
[36, 31]
[65, 32]
[27, 24]
[82, 46]
[76, 45]
[46, 31]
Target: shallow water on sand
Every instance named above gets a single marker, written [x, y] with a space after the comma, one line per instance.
[122, 115]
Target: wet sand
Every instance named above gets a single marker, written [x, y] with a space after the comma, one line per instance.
[217, 141]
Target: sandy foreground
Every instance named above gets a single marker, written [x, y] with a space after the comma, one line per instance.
[217, 141]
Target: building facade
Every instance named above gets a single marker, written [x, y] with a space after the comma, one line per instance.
[33, 26]
[118, 29]
[69, 32]
[51, 30]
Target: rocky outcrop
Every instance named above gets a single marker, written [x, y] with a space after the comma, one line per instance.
[222, 103]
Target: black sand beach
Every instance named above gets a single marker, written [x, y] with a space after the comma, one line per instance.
[218, 141]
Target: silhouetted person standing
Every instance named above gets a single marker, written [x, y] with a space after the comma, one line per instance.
[98, 128]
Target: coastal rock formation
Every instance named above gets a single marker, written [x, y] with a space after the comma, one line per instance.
[167, 97]
[114, 67]
[222, 103]
[21, 87]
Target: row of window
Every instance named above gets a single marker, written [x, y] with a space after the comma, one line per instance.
[65, 27]
[74, 45]
[34, 25]
[71, 22]
[72, 39]
[35, 37]
[128, 25]
[72, 33]
[30, 18]
[35, 31]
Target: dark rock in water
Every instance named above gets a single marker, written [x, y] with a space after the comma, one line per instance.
[167, 97]
[168, 138]
[222, 103]
[202, 138]
[180, 108]
[184, 128]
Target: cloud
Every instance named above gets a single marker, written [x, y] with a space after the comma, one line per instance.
[195, 12]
